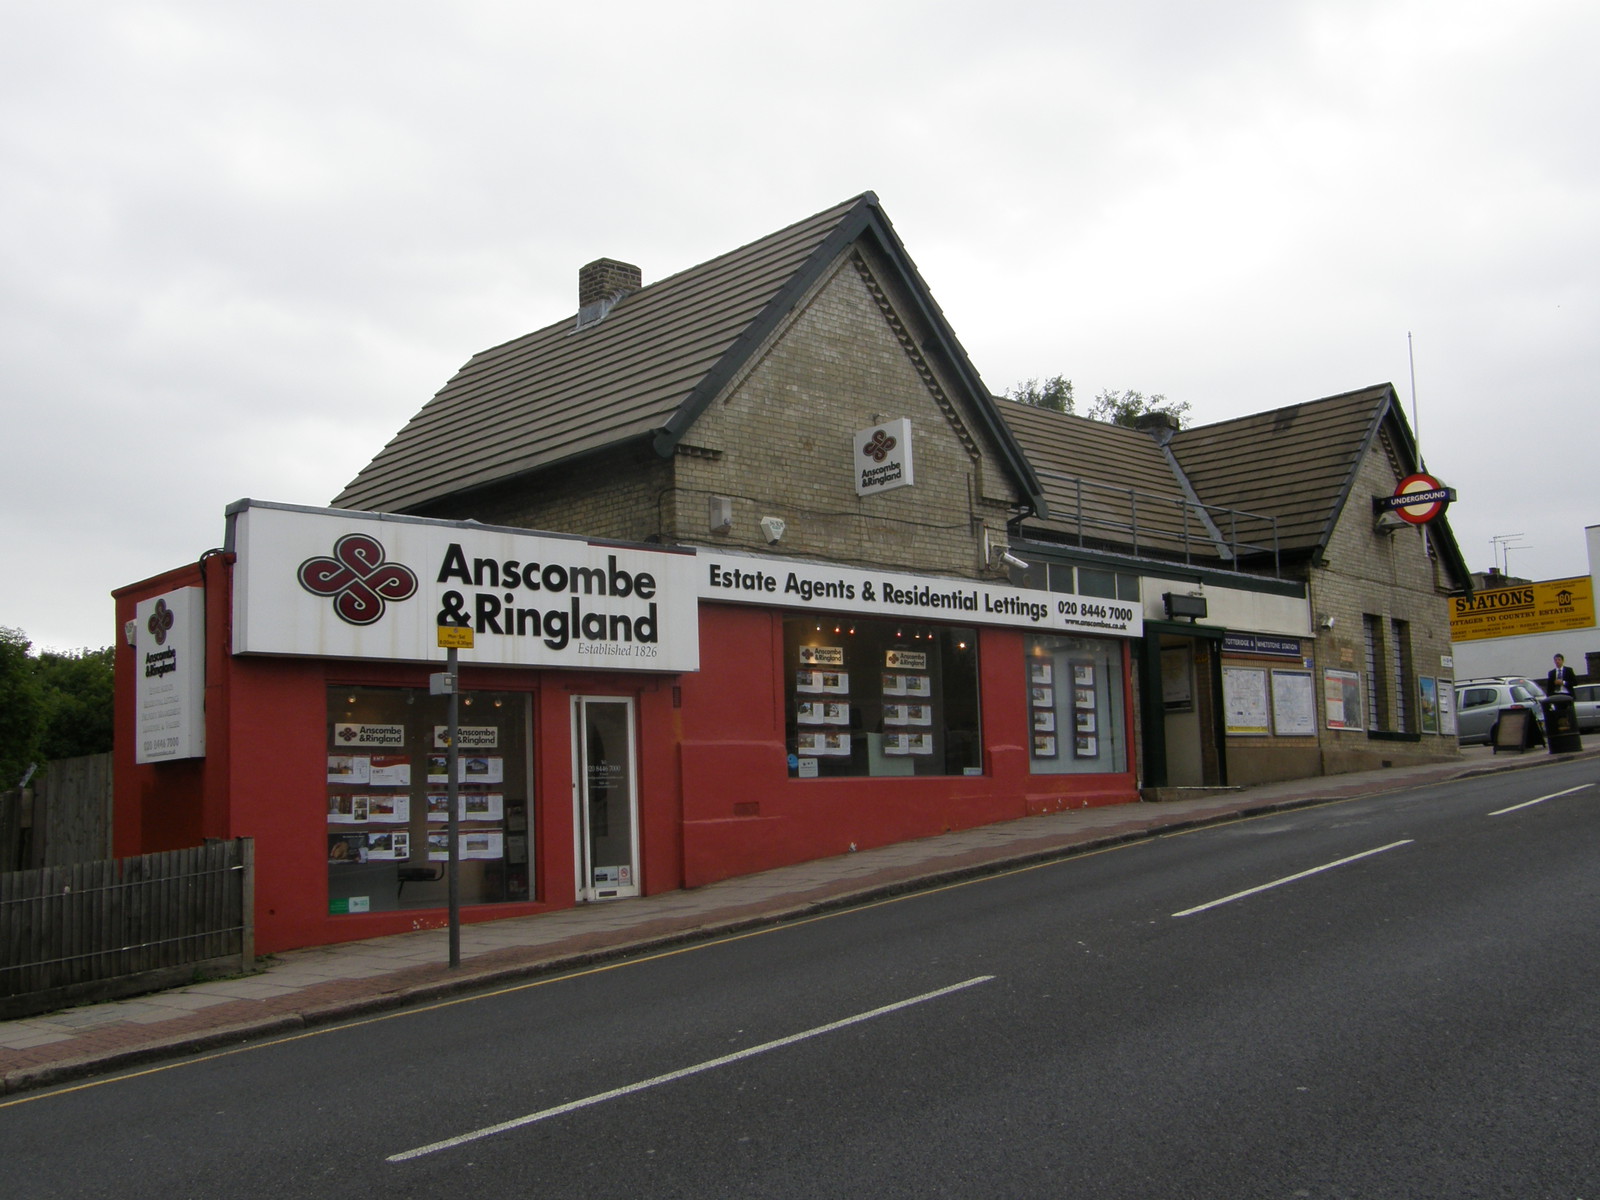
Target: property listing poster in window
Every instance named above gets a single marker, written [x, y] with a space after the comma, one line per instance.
[387, 799]
[1075, 705]
[877, 697]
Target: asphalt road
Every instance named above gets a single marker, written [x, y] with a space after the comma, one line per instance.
[1389, 997]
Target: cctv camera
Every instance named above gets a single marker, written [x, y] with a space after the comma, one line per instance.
[772, 529]
[1011, 560]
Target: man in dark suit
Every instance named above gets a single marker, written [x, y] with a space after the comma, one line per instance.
[1560, 679]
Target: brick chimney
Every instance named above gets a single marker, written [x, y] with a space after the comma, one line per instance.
[605, 281]
[1159, 425]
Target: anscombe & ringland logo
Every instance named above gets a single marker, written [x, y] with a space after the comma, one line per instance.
[160, 622]
[358, 579]
[877, 449]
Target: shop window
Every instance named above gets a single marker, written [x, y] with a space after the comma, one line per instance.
[1400, 636]
[874, 697]
[1095, 582]
[1377, 677]
[1075, 706]
[388, 811]
[1108, 585]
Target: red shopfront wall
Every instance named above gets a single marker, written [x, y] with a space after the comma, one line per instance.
[715, 797]
[743, 813]
[279, 792]
[264, 774]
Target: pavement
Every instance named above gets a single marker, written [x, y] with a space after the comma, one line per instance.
[301, 989]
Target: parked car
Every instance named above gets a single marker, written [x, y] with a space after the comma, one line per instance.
[1479, 701]
[1586, 702]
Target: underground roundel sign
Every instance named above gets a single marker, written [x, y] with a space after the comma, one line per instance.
[1419, 499]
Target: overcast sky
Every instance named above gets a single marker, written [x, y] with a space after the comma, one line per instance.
[241, 244]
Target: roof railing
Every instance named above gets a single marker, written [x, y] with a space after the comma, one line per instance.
[1098, 511]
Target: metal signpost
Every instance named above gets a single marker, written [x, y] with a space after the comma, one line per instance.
[452, 637]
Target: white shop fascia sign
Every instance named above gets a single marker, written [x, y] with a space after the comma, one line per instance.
[169, 647]
[786, 583]
[338, 584]
[883, 458]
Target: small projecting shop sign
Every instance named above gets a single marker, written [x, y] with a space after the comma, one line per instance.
[883, 457]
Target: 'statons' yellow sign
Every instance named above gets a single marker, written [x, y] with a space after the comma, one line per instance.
[1531, 608]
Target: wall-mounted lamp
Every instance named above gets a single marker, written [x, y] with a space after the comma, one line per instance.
[719, 514]
[130, 632]
[1325, 622]
[1179, 604]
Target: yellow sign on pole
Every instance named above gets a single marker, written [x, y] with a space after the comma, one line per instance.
[1547, 607]
[457, 636]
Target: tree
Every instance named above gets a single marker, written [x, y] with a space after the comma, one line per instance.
[21, 717]
[75, 690]
[51, 706]
[1126, 408]
[1054, 393]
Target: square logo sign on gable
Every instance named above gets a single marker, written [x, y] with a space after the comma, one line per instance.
[883, 457]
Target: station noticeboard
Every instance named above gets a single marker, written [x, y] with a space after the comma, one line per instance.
[1548, 607]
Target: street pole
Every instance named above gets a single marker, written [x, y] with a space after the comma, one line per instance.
[449, 684]
[452, 761]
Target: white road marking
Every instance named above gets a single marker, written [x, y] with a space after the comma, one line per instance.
[629, 1089]
[1290, 878]
[1541, 799]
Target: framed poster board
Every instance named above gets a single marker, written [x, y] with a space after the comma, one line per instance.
[1428, 703]
[1177, 678]
[1514, 730]
[1294, 704]
[1341, 697]
[1244, 695]
[1447, 707]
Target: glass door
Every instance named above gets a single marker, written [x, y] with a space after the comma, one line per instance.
[605, 800]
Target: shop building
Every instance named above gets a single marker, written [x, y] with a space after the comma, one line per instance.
[733, 550]
[1295, 625]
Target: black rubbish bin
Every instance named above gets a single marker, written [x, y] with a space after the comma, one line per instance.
[1561, 724]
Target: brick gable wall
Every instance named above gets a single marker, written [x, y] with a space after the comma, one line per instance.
[778, 442]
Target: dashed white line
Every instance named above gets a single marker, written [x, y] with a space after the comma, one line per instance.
[1290, 878]
[670, 1076]
[1541, 799]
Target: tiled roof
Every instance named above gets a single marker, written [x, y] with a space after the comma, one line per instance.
[1295, 463]
[1294, 466]
[556, 393]
[1107, 480]
[646, 371]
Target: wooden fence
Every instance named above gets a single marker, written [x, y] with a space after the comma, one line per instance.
[65, 817]
[97, 931]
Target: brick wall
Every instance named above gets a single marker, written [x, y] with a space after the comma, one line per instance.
[1392, 577]
[779, 443]
[617, 494]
